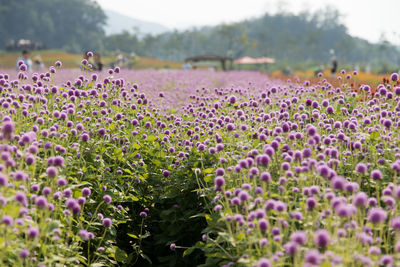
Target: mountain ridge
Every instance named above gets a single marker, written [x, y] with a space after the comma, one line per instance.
[117, 23]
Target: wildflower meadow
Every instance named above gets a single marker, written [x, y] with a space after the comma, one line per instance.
[197, 168]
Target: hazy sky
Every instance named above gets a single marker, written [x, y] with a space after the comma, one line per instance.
[364, 18]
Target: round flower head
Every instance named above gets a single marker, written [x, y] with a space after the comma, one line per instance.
[376, 175]
[107, 199]
[3, 180]
[107, 222]
[321, 238]
[299, 237]
[52, 172]
[263, 224]
[24, 253]
[377, 215]
[313, 257]
[33, 232]
[360, 199]
[219, 181]
[8, 129]
[86, 191]
[361, 168]
[263, 262]
[7, 220]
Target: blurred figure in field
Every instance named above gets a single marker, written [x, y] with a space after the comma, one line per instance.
[38, 63]
[98, 65]
[25, 59]
[334, 67]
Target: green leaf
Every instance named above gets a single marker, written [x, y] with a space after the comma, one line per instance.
[121, 255]
[151, 138]
[144, 256]
[188, 251]
[209, 170]
[134, 236]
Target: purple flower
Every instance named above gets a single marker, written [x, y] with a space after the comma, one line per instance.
[33, 232]
[376, 175]
[24, 253]
[86, 191]
[313, 257]
[394, 77]
[219, 181]
[7, 220]
[377, 215]
[360, 199]
[263, 262]
[263, 224]
[41, 202]
[107, 222]
[52, 172]
[291, 248]
[165, 173]
[361, 168]
[107, 199]
[299, 237]
[321, 238]
[3, 180]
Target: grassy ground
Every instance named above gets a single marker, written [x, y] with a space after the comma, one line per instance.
[8, 60]
[361, 78]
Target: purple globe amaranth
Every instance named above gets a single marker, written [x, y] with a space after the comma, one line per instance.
[394, 77]
[322, 238]
[107, 222]
[263, 262]
[263, 225]
[377, 215]
[376, 175]
[219, 181]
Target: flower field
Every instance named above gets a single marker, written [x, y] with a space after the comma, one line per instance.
[197, 168]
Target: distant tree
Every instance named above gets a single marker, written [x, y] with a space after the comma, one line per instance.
[73, 24]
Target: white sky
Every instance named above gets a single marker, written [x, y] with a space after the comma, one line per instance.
[364, 18]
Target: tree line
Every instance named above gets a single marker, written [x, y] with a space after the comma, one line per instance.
[78, 25]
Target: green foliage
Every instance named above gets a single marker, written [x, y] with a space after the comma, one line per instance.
[74, 25]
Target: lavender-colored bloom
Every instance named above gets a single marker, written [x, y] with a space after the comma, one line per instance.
[107, 199]
[377, 215]
[360, 199]
[107, 222]
[24, 253]
[299, 237]
[313, 257]
[263, 262]
[33, 232]
[361, 168]
[263, 225]
[322, 238]
[7, 220]
[86, 191]
[376, 175]
[219, 181]
[52, 172]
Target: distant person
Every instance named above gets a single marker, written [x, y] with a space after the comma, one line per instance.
[38, 63]
[25, 59]
[334, 67]
[98, 65]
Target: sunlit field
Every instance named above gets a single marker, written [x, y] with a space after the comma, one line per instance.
[198, 167]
